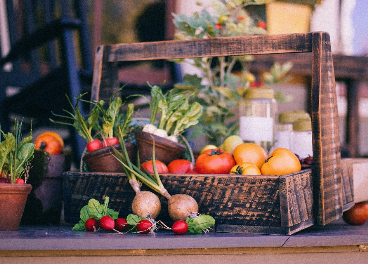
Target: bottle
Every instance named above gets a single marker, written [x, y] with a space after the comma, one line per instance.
[257, 112]
[302, 143]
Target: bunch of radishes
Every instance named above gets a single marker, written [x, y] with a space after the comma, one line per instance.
[95, 216]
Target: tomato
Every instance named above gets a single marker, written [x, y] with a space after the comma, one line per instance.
[180, 166]
[49, 143]
[94, 145]
[161, 167]
[246, 168]
[214, 161]
[281, 161]
[110, 141]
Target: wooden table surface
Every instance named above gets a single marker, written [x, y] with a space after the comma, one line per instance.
[60, 241]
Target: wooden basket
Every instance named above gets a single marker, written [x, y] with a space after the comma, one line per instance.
[326, 194]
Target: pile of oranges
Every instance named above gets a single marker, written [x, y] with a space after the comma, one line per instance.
[252, 159]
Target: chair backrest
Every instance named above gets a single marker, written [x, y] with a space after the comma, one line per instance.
[327, 175]
[23, 20]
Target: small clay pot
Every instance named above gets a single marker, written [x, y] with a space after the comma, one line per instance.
[13, 199]
[165, 150]
[102, 160]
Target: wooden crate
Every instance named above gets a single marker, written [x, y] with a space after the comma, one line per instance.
[326, 176]
[251, 204]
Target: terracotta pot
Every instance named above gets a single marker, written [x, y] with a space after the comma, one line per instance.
[102, 160]
[44, 203]
[165, 150]
[13, 199]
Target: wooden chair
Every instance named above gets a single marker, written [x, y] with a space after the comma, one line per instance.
[329, 201]
[48, 57]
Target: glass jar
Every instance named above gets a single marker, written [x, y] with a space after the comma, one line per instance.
[284, 128]
[257, 116]
[302, 143]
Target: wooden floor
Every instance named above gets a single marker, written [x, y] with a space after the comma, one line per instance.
[334, 243]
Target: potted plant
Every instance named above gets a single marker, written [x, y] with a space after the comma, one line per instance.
[171, 115]
[16, 154]
[99, 129]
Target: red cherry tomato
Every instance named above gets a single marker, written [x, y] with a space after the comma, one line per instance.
[215, 161]
[94, 145]
[161, 167]
[110, 142]
[180, 166]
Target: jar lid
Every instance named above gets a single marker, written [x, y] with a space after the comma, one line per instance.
[290, 116]
[263, 92]
[302, 124]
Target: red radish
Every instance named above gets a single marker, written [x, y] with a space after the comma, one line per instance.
[110, 142]
[19, 181]
[121, 224]
[144, 226]
[180, 227]
[107, 223]
[94, 145]
[91, 224]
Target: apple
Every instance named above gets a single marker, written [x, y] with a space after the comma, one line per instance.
[357, 215]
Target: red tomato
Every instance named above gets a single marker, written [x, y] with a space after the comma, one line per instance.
[94, 145]
[180, 166]
[110, 142]
[161, 167]
[215, 161]
[192, 172]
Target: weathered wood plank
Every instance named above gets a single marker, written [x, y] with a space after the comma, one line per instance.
[211, 47]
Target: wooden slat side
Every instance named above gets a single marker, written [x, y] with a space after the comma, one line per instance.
[296, 198]
[227, 46]
[326, 139]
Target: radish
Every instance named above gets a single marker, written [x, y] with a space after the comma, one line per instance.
[146, 204]
[107, 223]
[144, 226]
[91, 224]
[121, 224]
[180, 206]
[180, 227]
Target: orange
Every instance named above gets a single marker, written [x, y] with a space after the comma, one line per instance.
[245, 168]
[250, 152]
[281, 161]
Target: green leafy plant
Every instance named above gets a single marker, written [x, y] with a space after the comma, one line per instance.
[217, 87]
[171, 113]
[16, 153]
[96, 211]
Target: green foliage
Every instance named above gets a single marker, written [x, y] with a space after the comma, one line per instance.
[219, 89]
[16, 153]
[94, 210]
[199, 224]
